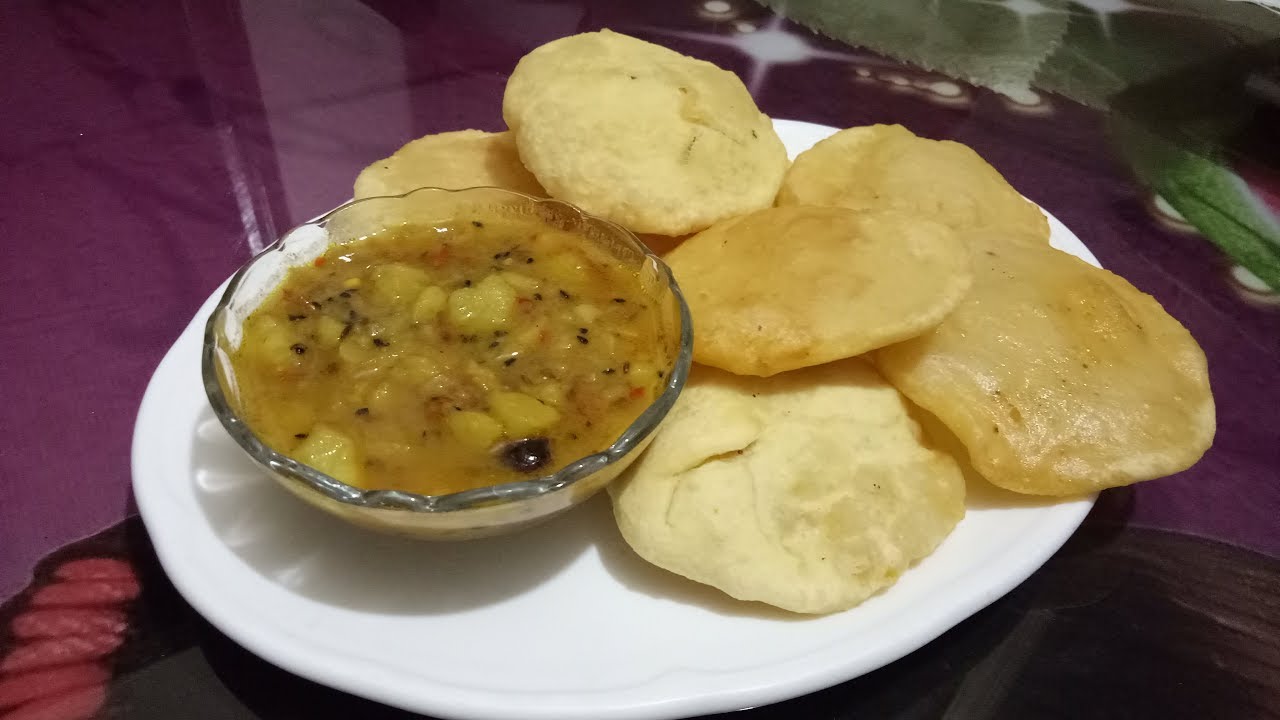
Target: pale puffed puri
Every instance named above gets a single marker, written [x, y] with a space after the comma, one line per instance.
[1059, 377]
[809, 491]
[888, 166]
[641, 135]
[786, 288]
[452, 160]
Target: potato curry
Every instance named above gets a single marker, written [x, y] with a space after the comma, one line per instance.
[438, 359]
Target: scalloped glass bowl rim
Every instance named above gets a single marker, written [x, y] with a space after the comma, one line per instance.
[487, 496]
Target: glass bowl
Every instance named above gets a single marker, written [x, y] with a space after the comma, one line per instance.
[471, 513]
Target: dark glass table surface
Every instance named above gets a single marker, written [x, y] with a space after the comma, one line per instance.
[149, 148]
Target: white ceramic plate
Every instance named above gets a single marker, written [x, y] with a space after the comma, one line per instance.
[561, 622]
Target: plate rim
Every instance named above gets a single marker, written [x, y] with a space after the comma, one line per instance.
[448, 700]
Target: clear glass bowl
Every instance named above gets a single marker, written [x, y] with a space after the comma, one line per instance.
[472, 513]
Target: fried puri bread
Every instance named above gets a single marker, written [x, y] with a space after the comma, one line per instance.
[644, 136]
[1059, 377]
[888, 166]
[809, 491]
[452, 160]
[790, 287]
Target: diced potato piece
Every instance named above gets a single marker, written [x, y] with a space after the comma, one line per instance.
[474, 429]
[390, 452]
[527, 338]
[523, 284]
[384, 400]
[426, 375]
[484, 307]
[418, 369]
[396, 323]
[356, 349]
[329, 331]
[606, 343]
[485, 377]
[273, 348]
[377, 366]
[644, 381]
[429, 304]
[551, 393]
[564, 270]
[332, 453]
[522, 414]
[642, 372]
[586, 313]
[398, 284]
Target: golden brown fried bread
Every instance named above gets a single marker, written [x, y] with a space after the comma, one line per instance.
[790, 287]
[887, 166]
[453, 160]
[809, 491]
[1059, 377]
[654, 140]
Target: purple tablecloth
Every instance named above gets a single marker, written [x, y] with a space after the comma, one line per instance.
[148, 149]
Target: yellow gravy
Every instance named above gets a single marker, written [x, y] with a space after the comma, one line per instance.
[438, 359]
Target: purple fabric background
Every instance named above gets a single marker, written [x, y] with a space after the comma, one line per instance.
[147, 149]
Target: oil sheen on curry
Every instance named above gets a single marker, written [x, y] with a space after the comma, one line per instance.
[439, 359]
